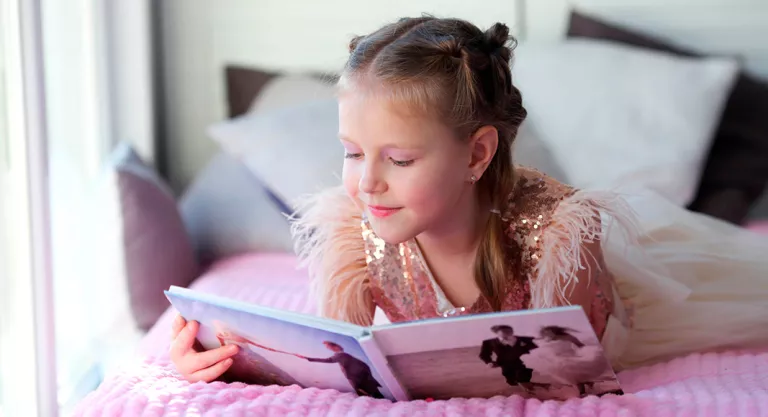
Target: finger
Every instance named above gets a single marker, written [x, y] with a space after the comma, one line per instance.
[177, 325]
[184, 341]
[211, 373]
[209, 358]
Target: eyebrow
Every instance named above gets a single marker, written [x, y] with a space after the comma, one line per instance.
[386, 145]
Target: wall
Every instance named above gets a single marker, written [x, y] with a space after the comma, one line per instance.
[198, 38]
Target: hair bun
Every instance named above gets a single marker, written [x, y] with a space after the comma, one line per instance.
[496, 38]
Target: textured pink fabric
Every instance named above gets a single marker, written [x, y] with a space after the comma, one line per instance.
[724, 384]
[728, 384]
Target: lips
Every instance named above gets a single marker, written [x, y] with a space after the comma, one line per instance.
[382, 211]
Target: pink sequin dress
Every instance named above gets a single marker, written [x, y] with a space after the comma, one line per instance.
[650, 269]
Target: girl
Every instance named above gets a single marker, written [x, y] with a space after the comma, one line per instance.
[433, 219]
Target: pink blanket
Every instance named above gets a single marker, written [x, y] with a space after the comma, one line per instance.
[724, 384]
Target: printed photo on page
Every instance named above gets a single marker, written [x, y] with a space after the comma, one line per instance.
[548, 355]
[279, 352]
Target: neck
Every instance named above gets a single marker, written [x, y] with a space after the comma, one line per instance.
[459, 234]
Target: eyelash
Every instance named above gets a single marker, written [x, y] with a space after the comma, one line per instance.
[394, 161]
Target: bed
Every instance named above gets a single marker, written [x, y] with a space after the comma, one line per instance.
[233, 213]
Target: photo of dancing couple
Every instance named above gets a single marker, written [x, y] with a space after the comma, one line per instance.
[555, 361]
[546, 355]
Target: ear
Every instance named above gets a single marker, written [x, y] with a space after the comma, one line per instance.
[483, 145]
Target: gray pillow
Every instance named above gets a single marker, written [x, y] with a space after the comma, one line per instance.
[156, 249]
[227, 211]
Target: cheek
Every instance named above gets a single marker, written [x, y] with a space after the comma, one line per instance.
[350, 178]
[433, 188]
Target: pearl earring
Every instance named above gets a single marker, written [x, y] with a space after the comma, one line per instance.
[473, 179]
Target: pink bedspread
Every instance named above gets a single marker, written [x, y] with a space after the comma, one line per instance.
[724, 384]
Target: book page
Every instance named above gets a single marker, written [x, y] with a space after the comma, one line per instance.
[274, 351]
[547, 354]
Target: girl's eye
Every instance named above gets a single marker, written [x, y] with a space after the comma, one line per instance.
[401, 163]
[348, 155]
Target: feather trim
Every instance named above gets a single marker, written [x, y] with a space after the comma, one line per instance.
[580, 219]
[328, 240]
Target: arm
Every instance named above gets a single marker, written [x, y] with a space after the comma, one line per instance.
[574, 340]
[570, 269]
[528, 343]
[332, 359]
[485, 351]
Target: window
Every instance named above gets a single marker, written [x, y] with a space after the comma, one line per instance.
[25, 315]
[57, 100]
[3, 114]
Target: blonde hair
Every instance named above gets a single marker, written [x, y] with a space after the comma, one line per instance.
[451, 69]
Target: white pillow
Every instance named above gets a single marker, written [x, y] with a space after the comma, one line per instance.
[613, 114]
[293, 150]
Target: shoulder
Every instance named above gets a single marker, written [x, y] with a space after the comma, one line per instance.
[556, 230]
[533, 205]
[536, 195]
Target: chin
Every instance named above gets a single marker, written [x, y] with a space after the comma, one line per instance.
[392, 233]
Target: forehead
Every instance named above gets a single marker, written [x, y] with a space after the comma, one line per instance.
[371, 117]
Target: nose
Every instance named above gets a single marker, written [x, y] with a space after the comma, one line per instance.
[371, 181]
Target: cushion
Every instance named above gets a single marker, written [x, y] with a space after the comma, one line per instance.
[293, 150]
[736, 169]
[156, 250]
[227, 211]
[615, 114]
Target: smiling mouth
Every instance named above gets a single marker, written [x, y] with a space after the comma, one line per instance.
[381, 211]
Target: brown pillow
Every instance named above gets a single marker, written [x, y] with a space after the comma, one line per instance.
[736, 170]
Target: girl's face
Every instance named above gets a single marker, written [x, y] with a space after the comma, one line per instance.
[407, 172]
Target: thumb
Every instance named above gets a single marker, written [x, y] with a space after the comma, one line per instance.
[185, 340]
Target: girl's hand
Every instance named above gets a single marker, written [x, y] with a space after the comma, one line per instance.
[197, 366]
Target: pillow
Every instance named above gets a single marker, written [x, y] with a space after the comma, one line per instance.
[145, 225]
[295, 151]
[256, 89]
[529, 150]
[736, 170]
[228, 212]
[613, 114]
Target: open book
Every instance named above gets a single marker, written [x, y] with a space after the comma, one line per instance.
[547, 354]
